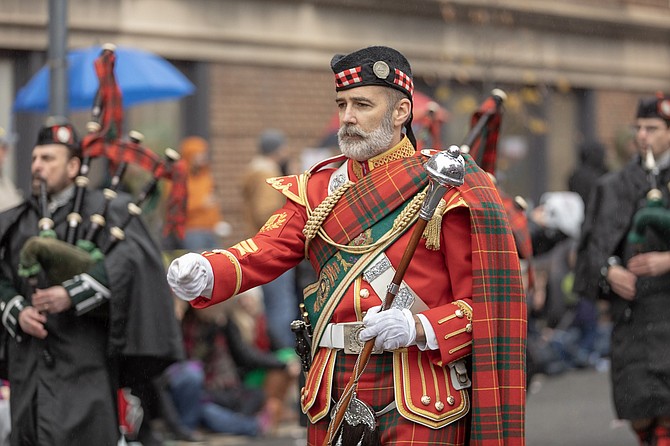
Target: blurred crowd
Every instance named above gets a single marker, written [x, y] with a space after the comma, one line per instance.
[566, 331]
[240, 374]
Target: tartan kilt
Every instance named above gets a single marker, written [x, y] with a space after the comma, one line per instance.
[376, 389]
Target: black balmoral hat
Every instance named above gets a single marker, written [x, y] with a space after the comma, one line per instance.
[654, 107]
[375, 65]
[58, 132]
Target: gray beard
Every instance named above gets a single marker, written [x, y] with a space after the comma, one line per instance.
[360, 145]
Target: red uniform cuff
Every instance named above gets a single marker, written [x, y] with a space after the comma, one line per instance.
[453, 329]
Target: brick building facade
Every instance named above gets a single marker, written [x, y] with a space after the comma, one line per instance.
[573, 69]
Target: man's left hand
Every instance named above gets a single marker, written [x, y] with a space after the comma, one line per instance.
[391, 329]
[650, 264]
[51, 300]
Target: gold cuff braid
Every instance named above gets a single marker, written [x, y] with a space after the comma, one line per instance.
[465, 308]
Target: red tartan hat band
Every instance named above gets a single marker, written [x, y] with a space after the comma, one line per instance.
[375, 65]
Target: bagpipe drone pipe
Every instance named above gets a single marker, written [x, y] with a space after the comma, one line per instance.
[653, 219]
[84, 243]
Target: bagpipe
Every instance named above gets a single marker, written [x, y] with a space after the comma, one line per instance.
[62, 259]
[352, 420]
[653, 215]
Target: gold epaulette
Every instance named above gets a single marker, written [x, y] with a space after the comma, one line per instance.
[292, 186]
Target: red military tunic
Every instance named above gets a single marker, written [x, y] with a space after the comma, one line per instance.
[424, 386]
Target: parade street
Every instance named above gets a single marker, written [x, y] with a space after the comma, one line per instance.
[572, 409]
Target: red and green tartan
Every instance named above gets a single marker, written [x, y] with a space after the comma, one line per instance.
[107, 143]
[376, 389]
[108, 96]
[374, 196]
[519, 223]
[484, 148]
[499, 318]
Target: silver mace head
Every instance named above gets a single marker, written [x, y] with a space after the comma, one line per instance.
[445, 169]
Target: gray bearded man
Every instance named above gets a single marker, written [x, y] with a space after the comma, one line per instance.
[449, 366]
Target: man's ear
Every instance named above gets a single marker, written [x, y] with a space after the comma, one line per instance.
[73, 165]
[402, 112]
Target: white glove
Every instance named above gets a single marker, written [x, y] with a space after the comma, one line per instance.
[191, 276]
[392, 328]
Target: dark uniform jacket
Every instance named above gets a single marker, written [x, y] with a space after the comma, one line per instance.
[63, 388]
[640, 363]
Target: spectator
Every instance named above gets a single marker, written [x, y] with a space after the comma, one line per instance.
[208, 389]
[204, 222]
[279, 295]
[258, 366]
[566, 324]
[591, 166]
[9, 195]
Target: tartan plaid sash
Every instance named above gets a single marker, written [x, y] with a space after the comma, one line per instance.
[322, 298]
[499, 318]
[368, 201]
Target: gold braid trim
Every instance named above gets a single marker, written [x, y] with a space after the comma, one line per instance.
[399, 224]
[316, 217]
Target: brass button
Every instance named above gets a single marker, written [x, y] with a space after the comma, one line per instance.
[365, 293]
[468, 328]
[439, 405]
[451, 400]
[425, 400]
[459, 313]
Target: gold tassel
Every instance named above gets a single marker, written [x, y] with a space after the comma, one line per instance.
[434, 227]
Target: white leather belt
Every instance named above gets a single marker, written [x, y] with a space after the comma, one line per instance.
[343, 336]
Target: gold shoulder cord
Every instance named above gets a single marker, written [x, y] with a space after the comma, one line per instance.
[316, 217]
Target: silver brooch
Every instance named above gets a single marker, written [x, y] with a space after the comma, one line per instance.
[63, 134]
[337, 182]
[381, 69]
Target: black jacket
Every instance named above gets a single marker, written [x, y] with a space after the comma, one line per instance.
[131, 338]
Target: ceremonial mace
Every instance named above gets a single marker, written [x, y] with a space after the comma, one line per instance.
[445, 169]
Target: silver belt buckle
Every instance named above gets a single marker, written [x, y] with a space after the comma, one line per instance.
[352, 344]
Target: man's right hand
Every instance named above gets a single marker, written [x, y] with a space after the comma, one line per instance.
[622, 281]
[191, 276]
[32, 322]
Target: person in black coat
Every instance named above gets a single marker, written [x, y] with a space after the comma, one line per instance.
[633, 273]
[71, 343]
[591, 167]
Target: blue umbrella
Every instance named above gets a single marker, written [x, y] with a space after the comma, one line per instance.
[141, 76]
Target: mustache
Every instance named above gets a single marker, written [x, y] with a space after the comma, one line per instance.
[350, 130]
